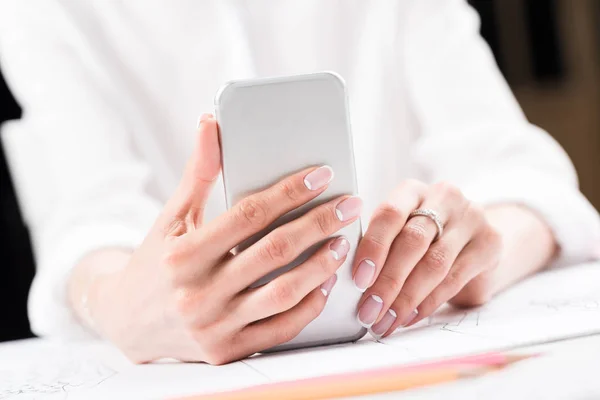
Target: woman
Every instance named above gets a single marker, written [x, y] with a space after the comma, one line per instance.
[110, 92]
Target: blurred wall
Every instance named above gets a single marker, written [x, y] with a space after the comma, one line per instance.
[549, 51]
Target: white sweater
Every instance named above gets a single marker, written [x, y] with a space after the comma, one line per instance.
[111, 91]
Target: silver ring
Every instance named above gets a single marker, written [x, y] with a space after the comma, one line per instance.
[432, 215]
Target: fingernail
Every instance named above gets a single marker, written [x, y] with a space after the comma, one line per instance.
[339, 248]
[364, 274]
[319, 178]
[203, 117]
[349, 208]
[328, 285]
[411, 317]
[370, 310]
[382, 326]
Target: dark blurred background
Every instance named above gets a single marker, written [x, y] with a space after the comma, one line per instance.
[549, 51]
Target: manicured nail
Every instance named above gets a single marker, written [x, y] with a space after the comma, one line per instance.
[410, 317]
[319, 178]
[328, 285]
[349, 208]
[339, 248]
[382, 326]
[370, 310]
[203, 117]
[364, 274]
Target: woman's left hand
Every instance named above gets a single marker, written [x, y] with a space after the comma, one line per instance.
[406, 271]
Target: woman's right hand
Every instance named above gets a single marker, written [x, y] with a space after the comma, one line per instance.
[183, 295]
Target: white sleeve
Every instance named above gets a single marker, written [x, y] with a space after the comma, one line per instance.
[79, 183]
[475, 135]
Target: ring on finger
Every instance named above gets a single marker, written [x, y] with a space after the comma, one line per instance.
[432, 215]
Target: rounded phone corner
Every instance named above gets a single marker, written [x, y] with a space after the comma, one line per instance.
[336, 77]
[361, 333]
[222, 91]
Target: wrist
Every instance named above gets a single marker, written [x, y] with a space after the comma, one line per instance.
[92, 286]
[528, 242]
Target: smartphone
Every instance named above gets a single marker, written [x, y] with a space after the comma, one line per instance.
[270, 128]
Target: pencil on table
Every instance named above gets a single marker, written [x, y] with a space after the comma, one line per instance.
[374, 381]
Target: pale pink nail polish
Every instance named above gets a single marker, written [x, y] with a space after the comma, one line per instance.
[382, 326]
[370, 310]
[364, 274]
[203, 118]
[318, 178]
[328, 285]
[339, 248]
[349, 208]
[410, 317]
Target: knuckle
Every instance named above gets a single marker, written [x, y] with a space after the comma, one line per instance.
[315, 308]
[278, 248]
[448, 190]
[388, 211]
[453, 280]
[494, 239]
[175, 227]
[476, 210]
[414, 235]
[253, 212]
[474, 214]
[174, 255]
[326, 263]
[186, 301]
[288, 190]
[437, 261]
[324, 222]
[282, 294]
[406, 299]
[285, 334]
[375, 242]
[429, 305]
[390, 284]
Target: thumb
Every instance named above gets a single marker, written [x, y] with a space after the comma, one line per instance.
[199, 176]
[204, 165]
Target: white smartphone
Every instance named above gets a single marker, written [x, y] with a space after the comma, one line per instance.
[272, 127]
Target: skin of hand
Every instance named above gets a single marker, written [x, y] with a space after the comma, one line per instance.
[182, 293]
[407, 274]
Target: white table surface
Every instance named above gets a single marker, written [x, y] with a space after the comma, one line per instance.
[556, 313]
[568, 370]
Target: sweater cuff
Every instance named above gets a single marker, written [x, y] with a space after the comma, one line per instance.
[574, 222]
[48, 294]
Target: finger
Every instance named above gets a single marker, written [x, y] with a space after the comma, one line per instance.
[479, 257]
[433, 268]
[407, 249]
[387, 221]
[186, 207]
[473, 260]
[257, 211]
[280, 328]
[286, 243]
[287, 290]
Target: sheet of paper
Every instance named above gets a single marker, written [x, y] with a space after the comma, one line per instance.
[159, 381]
[549, 377]
[39, 369]
[552, 305]
[306, 363]
[33, 369]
